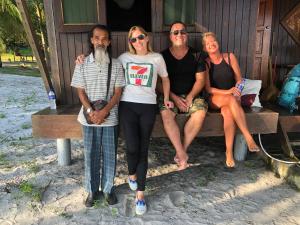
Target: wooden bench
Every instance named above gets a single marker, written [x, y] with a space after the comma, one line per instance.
[62, 125]
[287, 123]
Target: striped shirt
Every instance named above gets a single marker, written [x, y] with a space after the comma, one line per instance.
[92, 78]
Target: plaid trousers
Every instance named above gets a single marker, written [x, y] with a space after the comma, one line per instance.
[100, 153]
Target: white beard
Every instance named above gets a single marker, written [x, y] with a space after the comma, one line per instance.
[101, 55]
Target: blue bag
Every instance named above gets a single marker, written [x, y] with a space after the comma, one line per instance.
[290, 90]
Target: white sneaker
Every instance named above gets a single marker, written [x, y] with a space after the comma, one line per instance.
[140, 207]
[132, 184]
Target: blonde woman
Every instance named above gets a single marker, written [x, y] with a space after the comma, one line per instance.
[224, 74]
[138, 106]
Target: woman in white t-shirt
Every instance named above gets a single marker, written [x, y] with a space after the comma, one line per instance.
[137, 108]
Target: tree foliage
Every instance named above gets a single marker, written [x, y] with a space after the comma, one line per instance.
[10, 18]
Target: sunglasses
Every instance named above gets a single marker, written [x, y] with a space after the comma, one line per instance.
[177, 32]
[134, 39]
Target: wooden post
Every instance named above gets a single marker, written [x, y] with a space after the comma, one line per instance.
[32, 39]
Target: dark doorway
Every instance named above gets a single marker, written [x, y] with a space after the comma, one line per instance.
[123, 14]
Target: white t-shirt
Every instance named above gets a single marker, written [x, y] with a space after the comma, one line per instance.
[141, 75]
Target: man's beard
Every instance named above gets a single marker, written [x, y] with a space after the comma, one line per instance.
[101, 55]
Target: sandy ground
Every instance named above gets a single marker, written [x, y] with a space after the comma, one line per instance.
[35, 190]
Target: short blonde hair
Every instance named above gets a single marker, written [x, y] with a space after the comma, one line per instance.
[142, 30]
[208, 34]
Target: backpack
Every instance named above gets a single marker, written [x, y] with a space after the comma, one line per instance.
[290, 90]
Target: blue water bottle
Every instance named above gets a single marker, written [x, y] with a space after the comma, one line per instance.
[52, 99]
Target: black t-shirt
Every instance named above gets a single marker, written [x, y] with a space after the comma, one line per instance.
[182, 72]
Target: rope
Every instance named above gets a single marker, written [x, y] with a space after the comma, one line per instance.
[279, 160]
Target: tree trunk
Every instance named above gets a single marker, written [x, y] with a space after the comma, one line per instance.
[43, 34]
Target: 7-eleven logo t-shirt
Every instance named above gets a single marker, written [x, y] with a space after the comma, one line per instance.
[139, 74]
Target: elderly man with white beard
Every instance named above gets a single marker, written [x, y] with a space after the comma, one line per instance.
[99, 78]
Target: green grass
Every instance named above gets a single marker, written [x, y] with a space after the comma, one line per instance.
[9, 57]
[2, 116]
[28, 100]
[26, 126]
[31, 191]
[66, 215]
[18, 70]
[114, 212]
[100, 204]
[3, 161]
[32, 167]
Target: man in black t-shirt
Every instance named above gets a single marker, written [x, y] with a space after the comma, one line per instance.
[187, 78]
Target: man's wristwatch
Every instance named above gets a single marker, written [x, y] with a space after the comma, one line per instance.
[89, 110]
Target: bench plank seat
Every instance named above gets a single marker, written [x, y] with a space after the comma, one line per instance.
[62, 123]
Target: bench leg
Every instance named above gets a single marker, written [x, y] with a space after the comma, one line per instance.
[240, 147]
[64, 151]
[285, 141]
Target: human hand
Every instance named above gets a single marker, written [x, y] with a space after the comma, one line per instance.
[80, 59]
[180, 103]
[168, 104]
[99, 116]
[235, 91]
[188, 102]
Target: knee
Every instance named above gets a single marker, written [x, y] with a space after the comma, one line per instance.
[198, 115]
[231, 100]
[167, 116]
[225, 111]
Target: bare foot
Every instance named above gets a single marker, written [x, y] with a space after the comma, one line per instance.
[230, 160]
[182, 163]
[253, 148]
[176, 159]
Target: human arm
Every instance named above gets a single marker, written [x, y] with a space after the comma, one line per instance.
[100, 115]
[80, 59]
[236, 68]
[197, 87]
[166, 91]
[178, 101]
[85, 102]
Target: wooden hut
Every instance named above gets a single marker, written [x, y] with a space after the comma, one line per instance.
[245, 27]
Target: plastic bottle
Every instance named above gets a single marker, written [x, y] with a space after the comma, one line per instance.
[52, 99]
[241, 85]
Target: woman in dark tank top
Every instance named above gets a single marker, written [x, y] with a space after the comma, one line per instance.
[224, 74]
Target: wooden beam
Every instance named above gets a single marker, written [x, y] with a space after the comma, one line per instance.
[33, 41]
[53, 40]
[63, 123]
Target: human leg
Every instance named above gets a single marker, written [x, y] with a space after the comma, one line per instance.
[130, 126]
[229, 130]
[109, 153]
[146, 122]
[192, 127]
[173, 132]
[238, 114]
[92, 145]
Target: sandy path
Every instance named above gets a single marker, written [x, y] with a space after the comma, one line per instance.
[35, 190]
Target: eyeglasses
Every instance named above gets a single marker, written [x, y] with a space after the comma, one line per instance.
[177, 32]
[134, 39]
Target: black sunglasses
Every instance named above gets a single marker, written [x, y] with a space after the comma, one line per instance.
[176, 32]
[140, 37]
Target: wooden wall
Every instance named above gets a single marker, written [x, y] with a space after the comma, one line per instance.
[233, 21]
[284, 47]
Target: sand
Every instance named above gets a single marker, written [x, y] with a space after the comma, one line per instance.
[35, 190]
